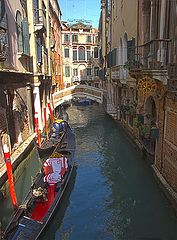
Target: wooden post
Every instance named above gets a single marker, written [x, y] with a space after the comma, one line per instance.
[10, 175]
[45, 122]
[37, 128]
[51, 113]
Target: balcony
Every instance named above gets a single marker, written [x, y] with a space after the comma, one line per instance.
[39, 20]
[3, 45]
[150, 58]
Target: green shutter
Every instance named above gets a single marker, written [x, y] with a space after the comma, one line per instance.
[3, 17]
[26, 48]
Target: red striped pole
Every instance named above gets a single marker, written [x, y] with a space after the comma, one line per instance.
[51, 113]
[10, 175]
[37, 128]
[45, 121]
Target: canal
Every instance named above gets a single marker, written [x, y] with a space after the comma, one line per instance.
[112, 195]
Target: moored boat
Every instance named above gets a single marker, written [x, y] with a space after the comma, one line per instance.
[32, 217]
[49, 144]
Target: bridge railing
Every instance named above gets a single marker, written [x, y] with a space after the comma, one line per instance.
[66, 94]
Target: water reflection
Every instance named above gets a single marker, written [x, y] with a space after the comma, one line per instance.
[24, 174]
[115, 196]
[51, 231]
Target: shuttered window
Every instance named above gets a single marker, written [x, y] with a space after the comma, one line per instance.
[95, 52]
[131, 50]
[74, 38]
[89, 38]
[67, 71]
[19, 31]
[74, 55]
[3, 17]
[66, 52]
[26, 48]
[113, 56]
[39, 49]
[66, 38]
[81, 53]
[88, 55]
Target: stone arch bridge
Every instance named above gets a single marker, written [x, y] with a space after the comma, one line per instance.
[77, 91]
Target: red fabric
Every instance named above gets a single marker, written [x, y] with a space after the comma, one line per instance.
[48, 169]
[41, 208]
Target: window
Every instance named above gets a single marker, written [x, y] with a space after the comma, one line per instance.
[39, 49]
[67, 71]
[89, 38]
[3, 17]
[74, 38]
[131, 51]
[19, 32]
[96, 39]
[88, 55]
[26, 47]
[113, 57]
[66, 50]
[96, 71]
[89, 71]
[75, 72]
[74, 55]
[81, 53]
[95, 52]
[66, 38]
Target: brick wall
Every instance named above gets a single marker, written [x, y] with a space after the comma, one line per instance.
[170, 145]
[170, 165]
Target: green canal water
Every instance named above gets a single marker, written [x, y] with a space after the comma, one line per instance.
[112, 195]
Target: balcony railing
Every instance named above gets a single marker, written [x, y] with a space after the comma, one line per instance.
[3, 45]
[152, 55]
[40, 20]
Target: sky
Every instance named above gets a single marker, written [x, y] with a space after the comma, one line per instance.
[81, 9]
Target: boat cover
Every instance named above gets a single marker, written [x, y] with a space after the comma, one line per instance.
[54, 169]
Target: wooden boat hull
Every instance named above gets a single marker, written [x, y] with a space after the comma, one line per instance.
[49, 145]
[29, 225]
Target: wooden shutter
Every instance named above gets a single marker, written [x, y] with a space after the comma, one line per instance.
[26, 49]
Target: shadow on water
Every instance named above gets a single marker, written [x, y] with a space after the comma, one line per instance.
[51, 231]
[24, 173]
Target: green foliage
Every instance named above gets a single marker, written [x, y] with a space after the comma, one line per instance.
[136, 123]
[145, 129]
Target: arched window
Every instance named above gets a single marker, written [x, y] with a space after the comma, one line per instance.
[19, 31]
[81, 53]
[3, 17]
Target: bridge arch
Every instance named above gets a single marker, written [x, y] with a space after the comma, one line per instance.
[79, 91]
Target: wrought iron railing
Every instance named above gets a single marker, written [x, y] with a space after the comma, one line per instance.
[153, 55]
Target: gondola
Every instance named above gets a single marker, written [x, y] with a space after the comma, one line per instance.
[32, 217]
[48, 144]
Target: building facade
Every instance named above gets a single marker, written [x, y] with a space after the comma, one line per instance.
[16, 121]
[80, 53]
[30, 65]
[141, 71]
[45, 49]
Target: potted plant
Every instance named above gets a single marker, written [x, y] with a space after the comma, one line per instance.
[145, 130]
[136, 123]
